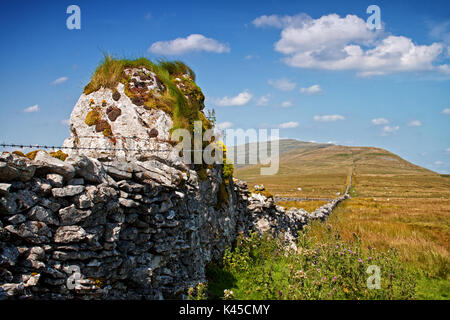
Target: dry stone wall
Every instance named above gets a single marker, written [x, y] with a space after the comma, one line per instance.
[87, 229]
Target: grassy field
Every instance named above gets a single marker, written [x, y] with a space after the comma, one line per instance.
[319, 172]
[394, 204]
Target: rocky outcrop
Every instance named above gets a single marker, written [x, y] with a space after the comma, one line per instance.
[106, 123]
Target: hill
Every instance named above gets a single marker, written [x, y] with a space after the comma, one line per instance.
[321, 170]
[394, 204]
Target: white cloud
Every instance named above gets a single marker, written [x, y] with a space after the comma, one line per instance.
[282, 84]
[192, 43]
[438, 163]
[279, 21]
[389, 129]
[380, 121]
[60, 80]
[239, 100]
[224, 125]
[290, 124]
[415, 123]
[30, 109]
[446, 111]
[286, 104]
[329, 118]
[264, 100]
[250, 56]
[314, 89]
[332, 42]
[65, 122]
[447, 150]
[275, 138]
[441, 31]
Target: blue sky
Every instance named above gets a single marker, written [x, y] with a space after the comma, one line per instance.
[312, 69]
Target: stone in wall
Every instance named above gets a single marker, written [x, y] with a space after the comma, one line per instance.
[128, 238]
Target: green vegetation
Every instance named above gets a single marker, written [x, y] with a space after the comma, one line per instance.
[177, 68]
[177, 79]
[228, 170]
[179, 96]
[197, 293]
[228, 167]
[31, 155]
[394, 204]
[261, 268]
[92, 118]
[59, 155]
[265, 193]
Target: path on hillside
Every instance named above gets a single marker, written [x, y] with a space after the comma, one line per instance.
[347, 190]
[331, 203]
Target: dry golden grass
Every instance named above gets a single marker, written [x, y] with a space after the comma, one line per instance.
[320, 173]
[421, 234]
[394, 204]
[306, 205]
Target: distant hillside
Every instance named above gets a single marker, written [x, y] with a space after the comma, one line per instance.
[321, 170]
[285, 146]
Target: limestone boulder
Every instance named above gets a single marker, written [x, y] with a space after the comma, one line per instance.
[132, 128]
[46, 164]
[14, 167]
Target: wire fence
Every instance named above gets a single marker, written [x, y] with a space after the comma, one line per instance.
[38, 146]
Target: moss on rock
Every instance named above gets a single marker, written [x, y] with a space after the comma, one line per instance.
[59, 155]
[31, 155]
[182, 101]
[265, 193]
[92, 118]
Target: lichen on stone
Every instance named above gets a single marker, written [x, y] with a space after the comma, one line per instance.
[182, 99]
[59, 155]
[32, 154]
[92, 118]
[113, 113]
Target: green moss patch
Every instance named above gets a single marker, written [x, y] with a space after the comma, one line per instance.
[178, 95]
[92, 118]
[184, 111]
[59, 155]
[265, 193]
[31, 155]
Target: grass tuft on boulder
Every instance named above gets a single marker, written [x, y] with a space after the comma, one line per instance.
[183, 100]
